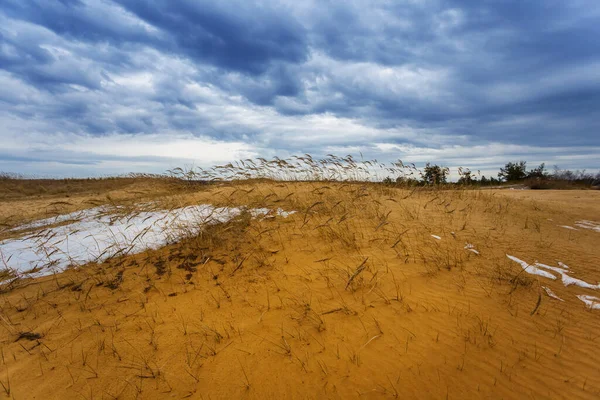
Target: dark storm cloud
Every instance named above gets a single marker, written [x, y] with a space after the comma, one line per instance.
[232, 35]
[235, 35]
[487, 48]
[267, 73]
[98, 21]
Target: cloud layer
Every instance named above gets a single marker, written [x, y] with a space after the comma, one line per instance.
[92, 87]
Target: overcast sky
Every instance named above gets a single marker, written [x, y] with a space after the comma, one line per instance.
[96, 87]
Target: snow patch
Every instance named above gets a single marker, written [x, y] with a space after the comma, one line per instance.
[471, 248]
[532, 269]
[585, 224]
[557, 269]
[568, 227]
[592, 302]
[565, 266]
[568, 280]
[74, 216]
[436, 237]
[268, 213]
[98, 234]
[550, 293]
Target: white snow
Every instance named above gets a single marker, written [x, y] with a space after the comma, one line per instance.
[436, 237]
[550, 293]
[568, 227]
[566, 279]
[96, 235]
[564, 266]
[470, 247]
[268, 213]
[591, 302]
[532, 269]
[559, 269]
[74, 216]
[585, 224]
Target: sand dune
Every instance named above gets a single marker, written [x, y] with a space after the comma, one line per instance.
[352, 296]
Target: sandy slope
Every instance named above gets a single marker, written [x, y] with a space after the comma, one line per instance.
[352, 297]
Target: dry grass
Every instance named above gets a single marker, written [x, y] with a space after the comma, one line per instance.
[351, 297]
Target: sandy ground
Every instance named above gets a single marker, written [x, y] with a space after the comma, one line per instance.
[585, 203]
[351, 297]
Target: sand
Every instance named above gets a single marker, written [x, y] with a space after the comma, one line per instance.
[353, 296]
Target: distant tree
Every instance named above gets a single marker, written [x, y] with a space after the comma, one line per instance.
[387, 181]
[484, 180]
[539, 172]
[407, 181]
[563, 174]
[513, 171]
[465, 176]
[596, 181]
[434, 174]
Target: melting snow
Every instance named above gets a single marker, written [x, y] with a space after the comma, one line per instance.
[436, 237]
[74, 216]
[564, 266]
[96, 235]
[268, 213]
[566, 279]
[593, 225]
[550, 293]
[532, 269]
[591, 302]
[559, 269]
[568, 227]
[470, 247]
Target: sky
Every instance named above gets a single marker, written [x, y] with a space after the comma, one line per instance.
[104, 87]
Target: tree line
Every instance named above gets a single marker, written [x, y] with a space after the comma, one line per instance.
[512, 172]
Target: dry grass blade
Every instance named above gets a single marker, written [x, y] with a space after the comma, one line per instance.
[357, 272]
[239, 265]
